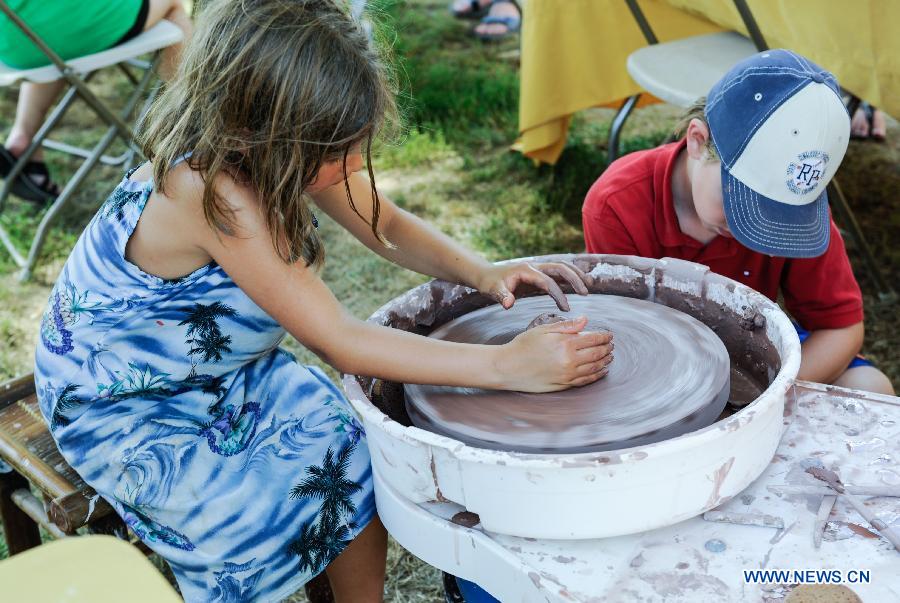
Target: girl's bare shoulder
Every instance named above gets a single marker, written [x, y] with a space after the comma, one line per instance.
[182, 198]
[169, 239]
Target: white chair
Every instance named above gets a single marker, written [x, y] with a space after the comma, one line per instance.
[682, 71]
[77, 72]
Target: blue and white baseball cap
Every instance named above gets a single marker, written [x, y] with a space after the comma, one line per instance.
[781, 130]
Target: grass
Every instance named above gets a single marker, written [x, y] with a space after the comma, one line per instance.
[419, 148]
[452, 166]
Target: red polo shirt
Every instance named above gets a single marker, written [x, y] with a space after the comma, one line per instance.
[629, 210]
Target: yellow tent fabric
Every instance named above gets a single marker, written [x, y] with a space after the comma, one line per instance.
[574, 51]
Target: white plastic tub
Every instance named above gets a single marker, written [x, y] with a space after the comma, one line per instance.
[599, 494]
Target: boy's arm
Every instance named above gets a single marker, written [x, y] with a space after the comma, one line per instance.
[827, 352]
[823, 296]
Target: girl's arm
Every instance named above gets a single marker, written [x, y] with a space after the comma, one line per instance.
[543, 359]
[424, 249]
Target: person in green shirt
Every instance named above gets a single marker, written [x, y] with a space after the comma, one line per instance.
[72, 28]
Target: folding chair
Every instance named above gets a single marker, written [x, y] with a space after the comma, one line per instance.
[682, 71]
[77, 72]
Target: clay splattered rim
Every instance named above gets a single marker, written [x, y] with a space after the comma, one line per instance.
[774, 394]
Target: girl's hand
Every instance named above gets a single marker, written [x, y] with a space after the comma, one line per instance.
[500, 281]
[554, 357]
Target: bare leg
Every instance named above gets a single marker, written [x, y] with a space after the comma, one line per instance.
[866, 378]
[879, 125]
[171, 10]
[357, 575]
[35, 101]
[862, 127]
[859, 125]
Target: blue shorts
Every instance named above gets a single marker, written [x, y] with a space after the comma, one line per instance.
[859, 360]
[472, 593]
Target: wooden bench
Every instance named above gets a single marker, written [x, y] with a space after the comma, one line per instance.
[27, 446]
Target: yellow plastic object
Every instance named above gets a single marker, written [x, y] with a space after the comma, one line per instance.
[84, 569]
[574, 52]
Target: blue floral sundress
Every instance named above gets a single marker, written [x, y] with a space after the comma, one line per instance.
[245, 470]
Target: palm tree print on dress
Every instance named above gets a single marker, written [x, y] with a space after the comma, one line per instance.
[65, 402]
[115, 204]
[156, 385]
[149, 530]
[322, 540]
[319, 544]
[203, 333]
[208, 384]
[232, 427]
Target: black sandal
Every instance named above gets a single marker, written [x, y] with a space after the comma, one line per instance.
[476, 10]
[26, 185]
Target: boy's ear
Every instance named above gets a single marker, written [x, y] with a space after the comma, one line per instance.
[697, 137]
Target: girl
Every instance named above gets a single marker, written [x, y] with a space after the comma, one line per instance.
[159, 370]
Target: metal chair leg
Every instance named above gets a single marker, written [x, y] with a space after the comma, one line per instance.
[612, 151]
[73, 183]
[124, 69]
[17, 257]
[839, 203]
[139, 122]
[111, 160]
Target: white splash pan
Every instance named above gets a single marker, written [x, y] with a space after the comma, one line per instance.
[598, 494]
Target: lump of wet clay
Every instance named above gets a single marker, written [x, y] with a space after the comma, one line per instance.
[547, 318]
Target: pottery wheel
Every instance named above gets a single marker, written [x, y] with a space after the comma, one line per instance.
[670, 376]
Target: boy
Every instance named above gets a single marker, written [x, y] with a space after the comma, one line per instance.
[743, 192]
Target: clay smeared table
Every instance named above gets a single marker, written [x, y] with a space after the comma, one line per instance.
[698, 560]
[670, 376]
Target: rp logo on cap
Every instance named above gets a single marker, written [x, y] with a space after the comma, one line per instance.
[806, 172]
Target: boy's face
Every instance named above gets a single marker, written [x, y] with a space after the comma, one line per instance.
[706, 180]
[706, 187]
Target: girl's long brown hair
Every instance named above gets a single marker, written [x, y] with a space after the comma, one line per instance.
[267, 91]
